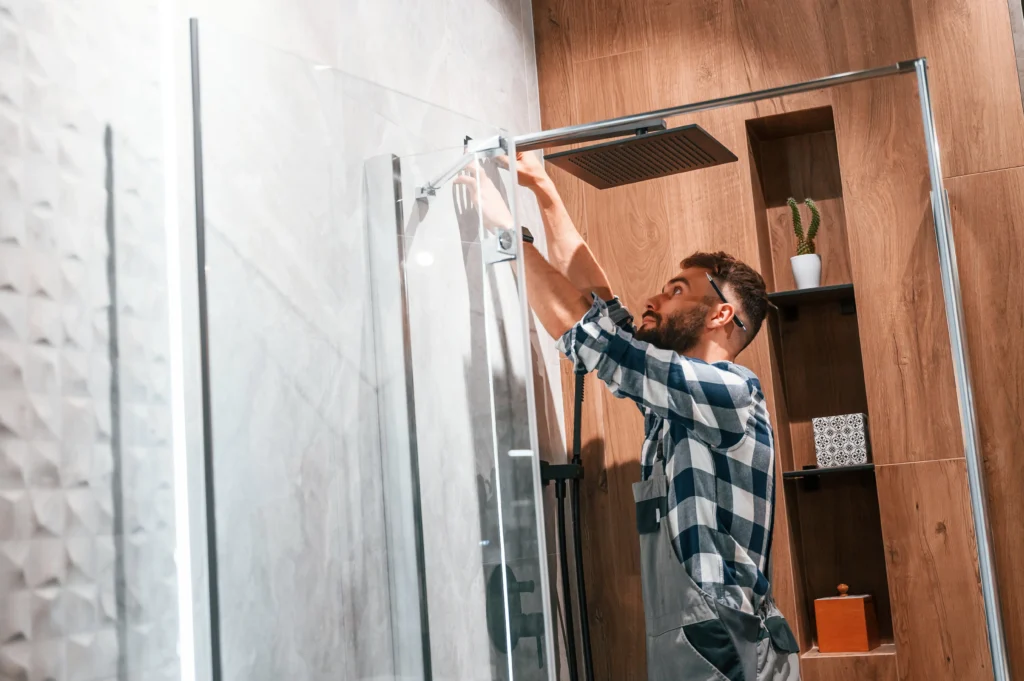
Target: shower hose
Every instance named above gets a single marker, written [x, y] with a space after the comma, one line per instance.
[577, 532]
[577, 545]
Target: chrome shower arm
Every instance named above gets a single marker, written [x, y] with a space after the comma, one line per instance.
[488, 147]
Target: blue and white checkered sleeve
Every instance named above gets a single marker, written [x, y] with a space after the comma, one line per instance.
[708, 400]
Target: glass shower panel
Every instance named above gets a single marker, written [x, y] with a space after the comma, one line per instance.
[371, 437]
[450, 286]
[299, 562]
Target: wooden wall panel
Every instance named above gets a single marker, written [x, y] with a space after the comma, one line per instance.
[667, 52]
[782, 42]
[611, 86]
[552, 22]
[608, 27]
[972, 73]
[869, 33]
[613, 554]
[629, 228]
[694, 48]
[900, 312]
[988, 221]
[932, 563]
[709, 48]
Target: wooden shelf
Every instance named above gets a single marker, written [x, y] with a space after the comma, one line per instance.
[817, 472]
[832, 514]
[875, 665]
[812, 296]
[884, 649]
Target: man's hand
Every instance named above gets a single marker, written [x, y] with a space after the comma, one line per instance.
[567, 253]
[483, 196]
[529, 167]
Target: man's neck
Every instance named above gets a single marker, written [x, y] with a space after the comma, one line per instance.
[710, 352]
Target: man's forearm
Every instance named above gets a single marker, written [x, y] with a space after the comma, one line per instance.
[568, 253]
[556, 301]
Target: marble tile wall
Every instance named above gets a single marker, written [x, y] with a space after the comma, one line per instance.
[295, 101]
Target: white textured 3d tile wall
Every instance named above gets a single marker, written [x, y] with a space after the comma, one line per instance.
[73, 465]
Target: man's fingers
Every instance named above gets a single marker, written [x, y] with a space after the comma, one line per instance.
[464, 179]
[502, 161]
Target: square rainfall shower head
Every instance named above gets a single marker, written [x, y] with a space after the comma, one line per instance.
[644, 157]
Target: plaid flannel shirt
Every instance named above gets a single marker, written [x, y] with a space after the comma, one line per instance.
[709, 425]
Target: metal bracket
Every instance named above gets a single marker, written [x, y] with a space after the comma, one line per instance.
[499, 246]
[492, 146]
[566, 471]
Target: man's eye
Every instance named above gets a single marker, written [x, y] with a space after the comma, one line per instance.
[677, 291]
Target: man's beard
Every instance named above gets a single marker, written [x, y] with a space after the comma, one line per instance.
[680, 332]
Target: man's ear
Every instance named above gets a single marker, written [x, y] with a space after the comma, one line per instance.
[724, 313]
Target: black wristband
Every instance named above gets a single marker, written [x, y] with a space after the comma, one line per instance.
[527, 237]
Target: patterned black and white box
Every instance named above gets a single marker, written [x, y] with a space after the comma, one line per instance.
[841, 440]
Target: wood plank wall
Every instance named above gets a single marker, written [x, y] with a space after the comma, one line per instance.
[601, 58]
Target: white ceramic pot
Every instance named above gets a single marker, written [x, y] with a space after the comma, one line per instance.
[806, 270]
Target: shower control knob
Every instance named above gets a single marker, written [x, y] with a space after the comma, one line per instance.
[505, 614]
[524, 587]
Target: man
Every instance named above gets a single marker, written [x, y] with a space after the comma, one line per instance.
[705, 502]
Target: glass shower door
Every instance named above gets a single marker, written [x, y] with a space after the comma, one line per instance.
[458, 434]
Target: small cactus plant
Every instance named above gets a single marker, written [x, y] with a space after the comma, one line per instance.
[804, 240]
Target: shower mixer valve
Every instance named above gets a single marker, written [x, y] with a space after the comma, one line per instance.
[504, 590]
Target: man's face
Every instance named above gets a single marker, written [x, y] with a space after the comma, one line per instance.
[675, 319]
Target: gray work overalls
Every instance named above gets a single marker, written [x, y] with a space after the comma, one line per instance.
[691, 636]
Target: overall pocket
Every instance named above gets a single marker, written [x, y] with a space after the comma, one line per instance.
[702, 651]
[781, 635]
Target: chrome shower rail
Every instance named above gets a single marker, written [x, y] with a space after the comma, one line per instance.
[613, 126]
[949, 277]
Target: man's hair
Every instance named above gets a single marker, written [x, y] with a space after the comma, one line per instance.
[741, 281]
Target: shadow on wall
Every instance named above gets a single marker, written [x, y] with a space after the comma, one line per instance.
[611, 561]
